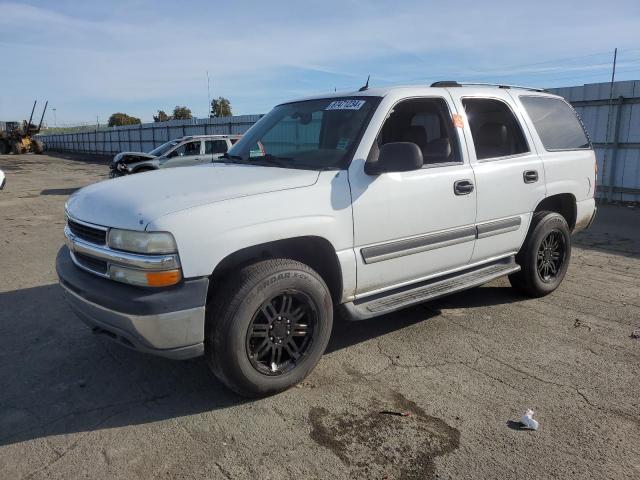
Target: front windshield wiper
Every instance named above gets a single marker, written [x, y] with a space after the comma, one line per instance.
[273, 160]
[226, 156]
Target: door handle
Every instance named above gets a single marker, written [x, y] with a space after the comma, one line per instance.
[463, 187]
[530, 176]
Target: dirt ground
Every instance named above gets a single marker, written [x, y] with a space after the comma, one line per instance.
[73, 405]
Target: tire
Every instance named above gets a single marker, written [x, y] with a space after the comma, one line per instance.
[4, 147]
[543, 265]
[237, 357]
[17, 148]
[38, 147]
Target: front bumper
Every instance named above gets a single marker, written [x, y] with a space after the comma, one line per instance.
[162, 321]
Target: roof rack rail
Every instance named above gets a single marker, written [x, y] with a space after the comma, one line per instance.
[451, 83]
[446, 83]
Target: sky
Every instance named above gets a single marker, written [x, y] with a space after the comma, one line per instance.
[93, 58]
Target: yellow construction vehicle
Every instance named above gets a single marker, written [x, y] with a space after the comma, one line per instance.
[19, 139]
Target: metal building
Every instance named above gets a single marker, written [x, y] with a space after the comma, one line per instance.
[618, 151]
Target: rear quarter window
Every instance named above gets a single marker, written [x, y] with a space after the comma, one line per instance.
[556, 122]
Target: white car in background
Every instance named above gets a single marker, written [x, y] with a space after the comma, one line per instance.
[181, 152]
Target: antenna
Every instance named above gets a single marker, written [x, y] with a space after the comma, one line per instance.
[366, 85]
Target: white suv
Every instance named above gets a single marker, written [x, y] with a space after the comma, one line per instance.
[370, 202]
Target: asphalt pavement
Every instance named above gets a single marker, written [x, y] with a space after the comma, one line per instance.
[462, 370]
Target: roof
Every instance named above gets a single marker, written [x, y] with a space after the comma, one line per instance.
[408, 90]
[210, 136]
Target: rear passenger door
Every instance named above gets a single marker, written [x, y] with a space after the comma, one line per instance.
[214, 149]
[510, 177]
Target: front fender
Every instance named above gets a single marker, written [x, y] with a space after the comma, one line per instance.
[206, 234]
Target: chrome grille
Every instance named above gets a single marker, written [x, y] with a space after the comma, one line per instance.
[90, 234]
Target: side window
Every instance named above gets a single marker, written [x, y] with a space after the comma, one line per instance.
[215, 146]
[495, 130]
[187, 149]
[427, 123]
[556, 122]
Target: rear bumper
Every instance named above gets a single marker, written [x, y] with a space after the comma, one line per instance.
[168, 322]
[585, 214]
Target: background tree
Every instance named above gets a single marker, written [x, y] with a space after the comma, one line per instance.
[119, 119]
[182, 113]
[161, 117]
[220, 107]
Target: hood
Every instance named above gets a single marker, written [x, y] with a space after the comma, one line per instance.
[129, 157]
[131, 202]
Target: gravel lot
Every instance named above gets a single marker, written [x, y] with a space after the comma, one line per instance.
[77, 406]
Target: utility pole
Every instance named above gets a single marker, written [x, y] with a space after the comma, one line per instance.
[55, 121]
[208, 97]
[606, 142]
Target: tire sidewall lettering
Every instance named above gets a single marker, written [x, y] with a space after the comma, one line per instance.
[281, 276]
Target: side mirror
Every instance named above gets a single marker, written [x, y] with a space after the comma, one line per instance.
[396, 157]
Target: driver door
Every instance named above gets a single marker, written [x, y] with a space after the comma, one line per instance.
[189, 153]
[412, 225]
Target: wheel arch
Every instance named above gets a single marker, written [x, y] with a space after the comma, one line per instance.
[562, 203]
[315, 251]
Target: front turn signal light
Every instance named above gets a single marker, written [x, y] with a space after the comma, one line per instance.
[163, 279]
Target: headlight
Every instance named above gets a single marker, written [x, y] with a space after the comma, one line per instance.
[141, 242]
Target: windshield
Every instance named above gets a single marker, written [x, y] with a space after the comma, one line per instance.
[162, 149]
[315, 134]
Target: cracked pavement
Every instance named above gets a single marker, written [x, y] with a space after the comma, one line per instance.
[464, 368]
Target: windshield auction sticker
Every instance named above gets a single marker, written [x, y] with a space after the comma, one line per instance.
[346, 105]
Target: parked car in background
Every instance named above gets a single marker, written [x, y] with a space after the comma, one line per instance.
[2, 179]
[181, 152]
[370, 202]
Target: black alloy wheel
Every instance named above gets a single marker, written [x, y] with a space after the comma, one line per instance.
[267, 326]
[281, 332]
[544, 256]
[550, 257]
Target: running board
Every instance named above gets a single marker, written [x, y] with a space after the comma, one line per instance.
[387, 302]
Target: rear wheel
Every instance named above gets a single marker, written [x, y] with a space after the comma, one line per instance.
[544, 256]
[268, 327]
[18, 148]
[4, 147]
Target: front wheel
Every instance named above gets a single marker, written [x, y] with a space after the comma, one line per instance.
[268, 327]
[544, 256]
